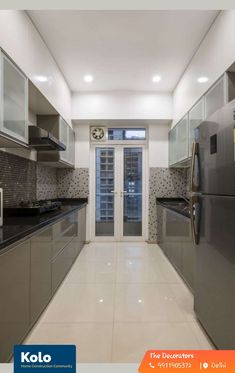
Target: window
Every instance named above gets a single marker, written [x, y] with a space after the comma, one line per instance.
[126, 134]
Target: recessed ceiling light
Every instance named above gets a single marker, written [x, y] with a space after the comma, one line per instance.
[202, 79]
[156, 78]
[88, 78]
[41, 78]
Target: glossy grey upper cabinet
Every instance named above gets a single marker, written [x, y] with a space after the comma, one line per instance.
[172, 146]
[182, 139]
[14, 102]
[61, 130]
[216, 97]
[71, 155]
[196, 116]
[178, 142]
[68, 138]
[64, 138]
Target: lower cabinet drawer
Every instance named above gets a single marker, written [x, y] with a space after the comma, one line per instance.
[61, 265]
[60, 242]
[14, 298]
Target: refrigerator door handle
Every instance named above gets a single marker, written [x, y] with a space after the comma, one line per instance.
[195, 218]
[195, 171]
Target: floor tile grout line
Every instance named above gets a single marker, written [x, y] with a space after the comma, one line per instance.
[114, 306]
[113, 322]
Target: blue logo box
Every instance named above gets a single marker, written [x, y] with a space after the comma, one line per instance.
[45, 357]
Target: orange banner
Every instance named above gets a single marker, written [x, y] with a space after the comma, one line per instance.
[192, 361]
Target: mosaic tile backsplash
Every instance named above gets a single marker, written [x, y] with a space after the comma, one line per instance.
[25, 180]
[73, 183]
[17, 178]
[46, 182]
[164, 182]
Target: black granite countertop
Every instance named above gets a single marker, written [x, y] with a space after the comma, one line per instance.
[18, 227]
[178, 205]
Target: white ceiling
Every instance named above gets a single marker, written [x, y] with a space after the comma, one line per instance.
[123, 49]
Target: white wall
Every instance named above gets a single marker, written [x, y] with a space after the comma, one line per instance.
[82, 145]
[121, 105]
[22, 42]
[215, 54]
[157, 145]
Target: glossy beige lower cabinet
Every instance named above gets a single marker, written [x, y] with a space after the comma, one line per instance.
[175, 239]
[61, 265]
[14, 298]
[41, 288]
[31, 272]
[75, 226]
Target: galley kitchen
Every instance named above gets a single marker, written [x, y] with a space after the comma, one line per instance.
[117, 181]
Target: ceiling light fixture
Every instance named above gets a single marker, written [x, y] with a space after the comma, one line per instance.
[41, 78]
[202, 79]
[156, 78]
[88, 78]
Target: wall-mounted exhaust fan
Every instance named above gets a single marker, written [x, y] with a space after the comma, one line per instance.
[98, 133]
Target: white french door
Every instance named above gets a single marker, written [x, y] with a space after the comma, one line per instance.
[118, 201]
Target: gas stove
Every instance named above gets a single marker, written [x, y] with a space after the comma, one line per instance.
[32, 208]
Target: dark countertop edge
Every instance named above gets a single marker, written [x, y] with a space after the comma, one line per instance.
[71, 201]
[18, 237]
[163, 202]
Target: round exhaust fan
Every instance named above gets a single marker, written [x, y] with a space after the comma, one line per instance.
[98, 133]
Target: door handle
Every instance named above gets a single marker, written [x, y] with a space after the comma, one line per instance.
[123, 192]
[113, 191]
[195, 169]
[195, 218]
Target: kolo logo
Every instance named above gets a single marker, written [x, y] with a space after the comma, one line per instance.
[26, 357]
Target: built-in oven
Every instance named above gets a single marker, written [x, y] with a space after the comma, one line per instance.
[1, 207]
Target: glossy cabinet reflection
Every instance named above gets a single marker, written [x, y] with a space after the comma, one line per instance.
[172, 146]
[178, 142]
[62, 131]
[182, 139]
[182, 134]
[175, 239]
[40, 290]
[196, 116]
[31, 272]
[14, 101]
[215, 98]
[15, 297]
[63, 254]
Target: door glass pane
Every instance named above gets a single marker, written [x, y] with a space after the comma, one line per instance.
[14, 108]
[104, 192]
[132, 193]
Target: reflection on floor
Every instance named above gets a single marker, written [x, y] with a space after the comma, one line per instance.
[119, 300]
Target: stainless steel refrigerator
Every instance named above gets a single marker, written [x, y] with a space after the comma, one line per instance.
[213, 225]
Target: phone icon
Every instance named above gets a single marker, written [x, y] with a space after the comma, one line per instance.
[151, 365]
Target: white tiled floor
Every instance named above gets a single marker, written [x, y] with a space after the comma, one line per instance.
[119, 300]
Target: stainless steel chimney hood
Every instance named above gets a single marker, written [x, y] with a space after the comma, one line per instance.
[42, 140]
